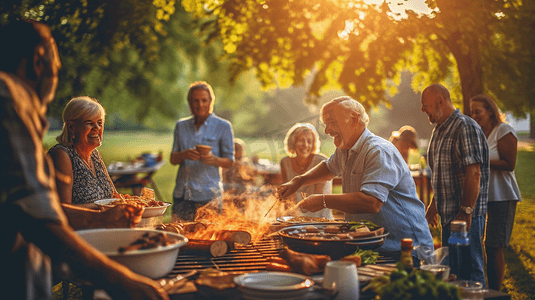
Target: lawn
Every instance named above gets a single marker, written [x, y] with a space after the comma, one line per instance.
[520, 256]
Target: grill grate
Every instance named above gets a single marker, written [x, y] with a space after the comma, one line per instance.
[243, 258]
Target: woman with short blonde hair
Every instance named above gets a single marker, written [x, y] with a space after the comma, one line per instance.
[82, 175]
[79, 108]
[302, 145]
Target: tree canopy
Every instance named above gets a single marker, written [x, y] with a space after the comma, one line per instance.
[360, 45]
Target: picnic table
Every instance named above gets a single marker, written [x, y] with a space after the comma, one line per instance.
[135, 175]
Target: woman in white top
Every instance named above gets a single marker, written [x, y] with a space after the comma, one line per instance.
[302, 145]
[503, 188]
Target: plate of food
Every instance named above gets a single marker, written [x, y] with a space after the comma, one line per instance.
[335, 240]
[153, 208]
[308, 220]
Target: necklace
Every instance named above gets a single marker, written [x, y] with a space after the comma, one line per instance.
[301, 168]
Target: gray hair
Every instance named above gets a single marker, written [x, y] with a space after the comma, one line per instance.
[79, 108]
[351, 105]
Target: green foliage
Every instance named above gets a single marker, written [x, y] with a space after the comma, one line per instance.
[357, 46]
[138, 58]
[92, 34]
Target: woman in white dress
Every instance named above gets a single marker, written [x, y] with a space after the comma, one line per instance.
[302, 147]
[503, 188]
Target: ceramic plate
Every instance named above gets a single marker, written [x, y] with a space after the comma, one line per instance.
[273, 281]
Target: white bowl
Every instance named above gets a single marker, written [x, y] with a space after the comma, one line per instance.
[149, 211]
[154, 263]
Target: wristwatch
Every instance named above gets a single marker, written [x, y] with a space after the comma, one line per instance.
[467, 209]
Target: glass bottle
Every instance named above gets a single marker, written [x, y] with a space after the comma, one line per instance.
[406, 254]
[458, 236]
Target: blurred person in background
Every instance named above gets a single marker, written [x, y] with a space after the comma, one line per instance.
[302, 145]
[198, 181]
[504, 193]
[81, 174]
[406, 140]
[458, 156]
[240, 177]
[376, 181]
[35, 229]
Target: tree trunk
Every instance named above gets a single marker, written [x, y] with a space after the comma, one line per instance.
[471, 74]
[466, 51]
[532, 126]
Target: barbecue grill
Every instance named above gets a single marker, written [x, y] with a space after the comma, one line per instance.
[242, 259]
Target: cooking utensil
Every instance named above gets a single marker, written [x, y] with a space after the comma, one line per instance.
[277, 198]
[168, 284]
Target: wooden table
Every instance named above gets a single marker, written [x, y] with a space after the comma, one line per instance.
[135, 176]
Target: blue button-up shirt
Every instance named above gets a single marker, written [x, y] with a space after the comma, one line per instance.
[375, 167]
[196, 181]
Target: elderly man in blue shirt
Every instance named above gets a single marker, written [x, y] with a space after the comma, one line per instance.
[198, 181]
[376, 181]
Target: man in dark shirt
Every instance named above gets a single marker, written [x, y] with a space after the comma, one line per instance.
[35, 229]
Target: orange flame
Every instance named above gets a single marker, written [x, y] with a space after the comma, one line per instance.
[241, 212]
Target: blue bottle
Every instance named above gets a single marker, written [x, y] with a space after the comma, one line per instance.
[458, 236]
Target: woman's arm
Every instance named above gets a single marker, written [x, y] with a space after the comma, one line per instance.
[284, 169]
[119, 216]
[507, 148]
[64, 177]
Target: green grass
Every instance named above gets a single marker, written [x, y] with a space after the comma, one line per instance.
[519, 279]
[520, 256]
[127, 145]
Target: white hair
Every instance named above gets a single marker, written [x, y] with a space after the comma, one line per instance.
[351, 105]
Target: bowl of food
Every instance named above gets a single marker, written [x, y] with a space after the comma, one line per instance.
[335, 240]
[203, 149]
[152, 208]
[440, 271]
[148, 252]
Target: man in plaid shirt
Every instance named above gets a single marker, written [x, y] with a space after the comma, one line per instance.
[458, 156]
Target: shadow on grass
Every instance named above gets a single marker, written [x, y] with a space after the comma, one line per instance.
[520, 256]
[518, 276]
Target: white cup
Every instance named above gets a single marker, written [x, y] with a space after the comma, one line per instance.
[342, 277]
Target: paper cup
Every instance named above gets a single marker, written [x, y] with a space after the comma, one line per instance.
[342, 277]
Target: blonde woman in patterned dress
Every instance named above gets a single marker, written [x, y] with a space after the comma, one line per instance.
[81, 175]
[302, 146]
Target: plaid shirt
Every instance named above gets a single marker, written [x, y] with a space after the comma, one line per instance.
[455, 144]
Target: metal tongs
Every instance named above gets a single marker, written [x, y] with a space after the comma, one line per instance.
[277, 199]
[168, 284]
